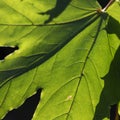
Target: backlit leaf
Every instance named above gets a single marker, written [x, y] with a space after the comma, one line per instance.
[66, 48]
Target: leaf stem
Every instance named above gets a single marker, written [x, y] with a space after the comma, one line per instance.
[106, 7]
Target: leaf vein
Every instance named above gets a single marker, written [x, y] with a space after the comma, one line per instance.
[81, 75]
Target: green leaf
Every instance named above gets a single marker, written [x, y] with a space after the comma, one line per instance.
[114, 10]
[65, 48]
[119, 108]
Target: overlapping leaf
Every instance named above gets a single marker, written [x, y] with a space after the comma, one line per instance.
[65, 50]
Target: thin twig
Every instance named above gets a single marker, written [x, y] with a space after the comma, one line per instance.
[106, 7]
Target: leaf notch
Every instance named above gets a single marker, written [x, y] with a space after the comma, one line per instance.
[6, 50]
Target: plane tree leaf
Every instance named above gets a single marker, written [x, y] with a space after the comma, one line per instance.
[64, 47]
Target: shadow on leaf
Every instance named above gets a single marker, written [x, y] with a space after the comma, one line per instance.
[113, 27]
[111, 91]
[57, 10]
